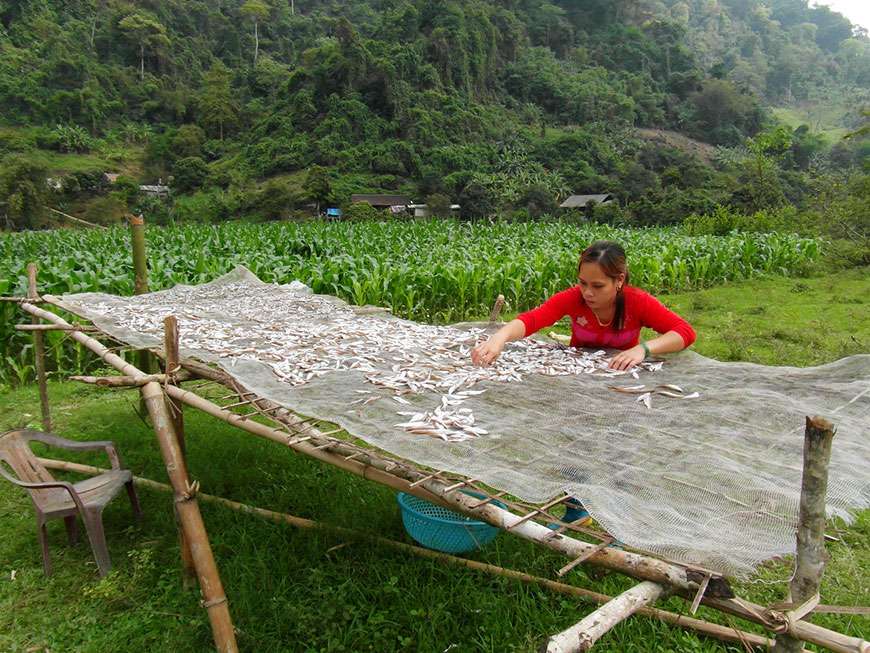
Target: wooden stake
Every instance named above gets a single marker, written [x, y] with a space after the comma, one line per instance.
[214, 600]
[810, 554]
[39, 352]
[140, 278]
[140, 261]
[583, 635]
[496, 308]
[170, 348]
[716, 631]
[171, 363]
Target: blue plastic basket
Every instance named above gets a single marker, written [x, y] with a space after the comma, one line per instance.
[444, 530]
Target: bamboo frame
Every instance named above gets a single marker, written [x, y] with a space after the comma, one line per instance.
[176, 410]
[684, 581]
[723, 633]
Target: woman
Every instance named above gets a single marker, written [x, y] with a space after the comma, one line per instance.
[605, 313]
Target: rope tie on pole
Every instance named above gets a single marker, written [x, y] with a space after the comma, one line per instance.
[784, 622]
[189, 493]
[213, 602]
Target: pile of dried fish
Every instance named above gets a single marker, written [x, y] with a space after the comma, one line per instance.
[301, 336]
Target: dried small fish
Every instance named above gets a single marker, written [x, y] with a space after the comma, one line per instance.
[629, 389]
[646, 398]
[303, 337]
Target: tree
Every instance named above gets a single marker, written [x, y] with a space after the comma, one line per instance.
[256, 10]
[187, 141]
[146, 32]
[317, 186]
[475, 201]
[22, 191]
[189, 174]
[438, 205]
[216, 102]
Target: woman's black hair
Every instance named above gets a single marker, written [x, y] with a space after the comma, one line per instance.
[611, 257]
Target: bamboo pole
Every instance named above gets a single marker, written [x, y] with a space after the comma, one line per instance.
[214, 599]
[128, 381]
[53, 327]
[39, 352]
[685, 581]
[171, 348]
[140, 278]
[75, 219]
[140, 261]
[583, 635]
[496, 308]
[171, 366]
[723, 633]
[810, 554]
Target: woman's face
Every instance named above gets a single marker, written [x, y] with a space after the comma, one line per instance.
[599, 290]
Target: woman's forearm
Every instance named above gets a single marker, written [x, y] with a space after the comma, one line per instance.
[513, 330]
[666, 343]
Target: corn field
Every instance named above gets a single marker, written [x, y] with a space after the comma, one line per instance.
[431, 271]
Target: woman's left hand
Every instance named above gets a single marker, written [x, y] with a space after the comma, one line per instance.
[627, 359]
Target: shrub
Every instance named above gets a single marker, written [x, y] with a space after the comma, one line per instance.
[189, 174]
[362, 211]
[187, 142]
[72, 138]
[438, 205]
[106, 210]
[276, 199]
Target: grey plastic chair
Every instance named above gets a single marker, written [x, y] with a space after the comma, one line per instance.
[62, 500]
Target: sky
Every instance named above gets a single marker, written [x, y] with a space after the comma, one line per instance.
[857, 11]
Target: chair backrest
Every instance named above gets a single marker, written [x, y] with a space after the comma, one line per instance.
[15, 451]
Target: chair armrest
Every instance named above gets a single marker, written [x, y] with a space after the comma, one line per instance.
[45, 486]
[75, 445]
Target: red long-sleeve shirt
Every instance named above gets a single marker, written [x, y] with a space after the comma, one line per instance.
[641, 310]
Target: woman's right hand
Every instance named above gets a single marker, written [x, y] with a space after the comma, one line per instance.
[487, 352]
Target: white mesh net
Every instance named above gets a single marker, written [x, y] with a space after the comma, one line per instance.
[712, 480]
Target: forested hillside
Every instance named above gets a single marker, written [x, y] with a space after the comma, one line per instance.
[264, 106]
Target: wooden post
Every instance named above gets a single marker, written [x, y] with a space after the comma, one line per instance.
[810, 554]
[214, 599]
[172, 366]
[39, 351]
[140, 278]
[496, 308]
[170, 345]
[583, 635]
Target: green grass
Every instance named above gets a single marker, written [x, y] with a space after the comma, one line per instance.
[289, 591]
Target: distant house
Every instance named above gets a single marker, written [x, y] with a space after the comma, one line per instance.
[422, 211]
[582, 201]
[156, 190]
[381, 201]
[111, 177]
[333, 213]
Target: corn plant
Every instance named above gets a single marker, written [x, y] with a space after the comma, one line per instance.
[433, 271]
